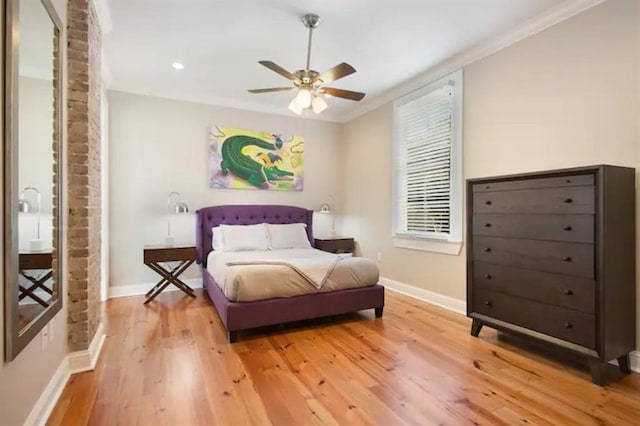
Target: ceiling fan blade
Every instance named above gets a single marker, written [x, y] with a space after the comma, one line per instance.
[341, 93]
[337, 72]
[277, 68]
[272, 89]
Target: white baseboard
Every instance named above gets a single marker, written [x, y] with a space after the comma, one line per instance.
[49, 397]
[634, 358]
[460, 306]
[447, 302]
[139, 289]
[75, 362]
[81, 361]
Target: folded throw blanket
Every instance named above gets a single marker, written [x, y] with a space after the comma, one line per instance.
[314, 270]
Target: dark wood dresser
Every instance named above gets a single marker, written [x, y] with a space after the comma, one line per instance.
[552, 255]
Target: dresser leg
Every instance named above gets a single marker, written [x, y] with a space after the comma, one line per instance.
[476, 326]
[232, 336]
[379, 312]
[624, 364]
[598, 371]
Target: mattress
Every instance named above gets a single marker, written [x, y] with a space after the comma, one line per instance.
[282, 273]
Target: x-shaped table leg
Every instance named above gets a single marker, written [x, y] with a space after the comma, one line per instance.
[169, 277]
[36, 283]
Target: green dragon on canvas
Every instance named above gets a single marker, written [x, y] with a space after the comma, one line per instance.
[246, 168]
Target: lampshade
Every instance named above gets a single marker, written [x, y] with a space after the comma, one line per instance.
[295, 106]
[304, 98]
[181, 208]
[325, 208]
[318, 104]
[23, 206]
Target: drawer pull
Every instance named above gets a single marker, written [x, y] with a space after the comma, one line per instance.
[487, 276]
[487, 203]
[487, 249]
[487, 303]
[568, 292]
[568, 200]
[567, 228]
[487, 187]
[568, 180]
[487, 225]
[566, 259]
[568, 325]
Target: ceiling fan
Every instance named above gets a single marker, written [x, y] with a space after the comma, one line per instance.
[310, 83]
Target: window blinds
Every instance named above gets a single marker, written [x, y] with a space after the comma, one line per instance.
[424, 131]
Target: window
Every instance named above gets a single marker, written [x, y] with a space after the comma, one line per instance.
[428, 163]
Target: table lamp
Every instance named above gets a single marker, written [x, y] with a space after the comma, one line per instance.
[178, 208]
[327, 208]
[25, 207]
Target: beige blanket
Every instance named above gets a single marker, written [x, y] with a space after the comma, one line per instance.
[251, 276]
[316, 270]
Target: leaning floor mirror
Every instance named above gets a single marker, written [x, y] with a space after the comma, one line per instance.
[32, 171]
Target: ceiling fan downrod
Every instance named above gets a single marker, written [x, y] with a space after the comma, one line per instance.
[311, 21]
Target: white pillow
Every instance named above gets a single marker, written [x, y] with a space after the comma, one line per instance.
[244, 237]
[288, 236]
[216, 239]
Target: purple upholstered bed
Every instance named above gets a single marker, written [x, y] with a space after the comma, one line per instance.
[244, 315]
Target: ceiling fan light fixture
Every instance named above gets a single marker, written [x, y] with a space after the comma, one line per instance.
[311, 85]
[318, 104]
[304, 98]
[294, 106]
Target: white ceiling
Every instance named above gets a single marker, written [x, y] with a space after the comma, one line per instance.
[221, 41]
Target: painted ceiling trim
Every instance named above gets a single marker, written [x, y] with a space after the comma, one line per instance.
[529, 28]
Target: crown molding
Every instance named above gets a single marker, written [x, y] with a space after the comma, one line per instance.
[551, 17]
[224, 103]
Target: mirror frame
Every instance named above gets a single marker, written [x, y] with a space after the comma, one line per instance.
[15, 338]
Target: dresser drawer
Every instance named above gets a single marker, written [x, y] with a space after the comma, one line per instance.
[566, 324]
[576, 228]
[574, 259]
[554, 289]
[575, 200]
[547, 182]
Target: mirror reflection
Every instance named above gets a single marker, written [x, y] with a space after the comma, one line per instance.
[36, 131]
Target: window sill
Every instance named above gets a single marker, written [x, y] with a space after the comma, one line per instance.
[426, 244]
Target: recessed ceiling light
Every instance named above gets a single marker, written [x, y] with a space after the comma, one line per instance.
[178, 65]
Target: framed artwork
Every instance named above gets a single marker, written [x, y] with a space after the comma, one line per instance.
[248, 159]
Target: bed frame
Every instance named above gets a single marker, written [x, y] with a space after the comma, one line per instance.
[238, 316]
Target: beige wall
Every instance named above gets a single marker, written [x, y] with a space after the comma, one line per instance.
[159, 145]
[23, 379]
[568, 96]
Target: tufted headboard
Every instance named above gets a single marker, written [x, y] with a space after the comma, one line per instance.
[208, 217]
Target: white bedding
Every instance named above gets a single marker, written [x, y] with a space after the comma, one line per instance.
[258, 275]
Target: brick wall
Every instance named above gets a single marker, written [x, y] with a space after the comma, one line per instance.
[83, 103]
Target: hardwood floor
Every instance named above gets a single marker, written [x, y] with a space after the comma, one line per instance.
[169, 363]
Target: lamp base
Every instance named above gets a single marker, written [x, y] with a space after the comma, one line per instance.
[35, 245]
[169, 241]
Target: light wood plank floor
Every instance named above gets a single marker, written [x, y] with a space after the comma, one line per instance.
[169, 363]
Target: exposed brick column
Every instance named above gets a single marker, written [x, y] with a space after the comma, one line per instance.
[84, 92]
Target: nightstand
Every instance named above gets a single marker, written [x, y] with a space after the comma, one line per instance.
[154, 256]
[335, 245]
[36, 260]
